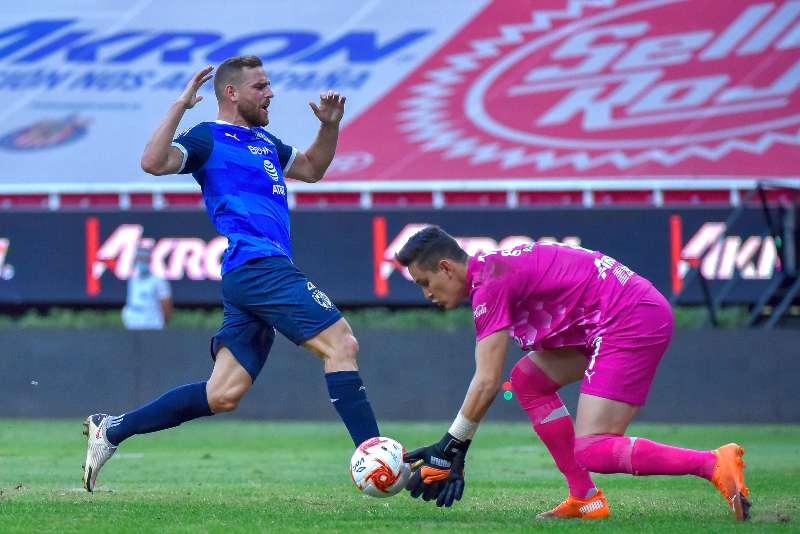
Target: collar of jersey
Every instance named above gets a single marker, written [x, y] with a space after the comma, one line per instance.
[237, 125]
[472, 264]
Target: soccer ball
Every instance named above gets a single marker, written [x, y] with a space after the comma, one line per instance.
[377, 467]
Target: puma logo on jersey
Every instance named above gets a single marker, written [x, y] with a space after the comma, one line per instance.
[231, 135]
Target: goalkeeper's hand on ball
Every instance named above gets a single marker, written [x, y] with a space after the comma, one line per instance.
[440, 474]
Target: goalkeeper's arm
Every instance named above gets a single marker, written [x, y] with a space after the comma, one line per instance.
[490, 357]
[441, 474]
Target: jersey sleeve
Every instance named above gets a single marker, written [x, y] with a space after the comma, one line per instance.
[491, 308]
[196, 144]
[286, 153]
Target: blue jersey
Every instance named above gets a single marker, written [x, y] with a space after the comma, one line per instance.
[240, 171]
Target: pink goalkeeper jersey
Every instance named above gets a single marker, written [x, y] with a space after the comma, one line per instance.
[550, 295]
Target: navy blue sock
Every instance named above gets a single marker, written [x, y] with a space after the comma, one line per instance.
[349, 397]
[174, 407]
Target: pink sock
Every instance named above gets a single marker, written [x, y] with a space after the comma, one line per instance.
[609, 453]
[536, 393]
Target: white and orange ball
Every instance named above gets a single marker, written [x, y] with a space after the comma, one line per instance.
[377, 467]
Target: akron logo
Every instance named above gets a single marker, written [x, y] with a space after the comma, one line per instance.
[270, 169]
[585, 83]
[322, 299]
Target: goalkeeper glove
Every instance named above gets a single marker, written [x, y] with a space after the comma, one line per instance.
[441, 474]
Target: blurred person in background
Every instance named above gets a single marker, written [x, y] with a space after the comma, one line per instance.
[148, 305]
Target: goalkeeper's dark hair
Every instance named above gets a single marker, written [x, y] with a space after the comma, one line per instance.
[429, 246]
[230, 72]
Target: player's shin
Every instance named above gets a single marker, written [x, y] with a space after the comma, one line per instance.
[608, 453]
[536, 393]
[349, 396]
[174, 407]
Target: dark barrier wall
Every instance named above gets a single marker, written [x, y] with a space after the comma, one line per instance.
[707, 376]
[78, 258]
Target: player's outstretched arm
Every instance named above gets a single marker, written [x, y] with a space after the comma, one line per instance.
[440, 474]
[310, 166]
[159, 156]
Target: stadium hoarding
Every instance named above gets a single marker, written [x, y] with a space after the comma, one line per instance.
[474, 90]
[350, 254]
[90, 80]
[138, 366]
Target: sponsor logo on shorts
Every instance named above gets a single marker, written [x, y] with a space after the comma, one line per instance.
[278, 190]
[479, 310]
[322, 299]
[590, 372]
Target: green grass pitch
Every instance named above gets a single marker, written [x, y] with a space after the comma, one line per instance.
[236, 476]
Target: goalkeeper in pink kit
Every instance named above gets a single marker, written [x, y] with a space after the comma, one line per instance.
[582, 315]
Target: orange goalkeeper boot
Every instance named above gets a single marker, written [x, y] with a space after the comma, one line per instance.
[728, 477]
[595, 507]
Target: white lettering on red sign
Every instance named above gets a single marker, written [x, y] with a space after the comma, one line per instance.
[604, 82]
[755, 257]
[173, 258]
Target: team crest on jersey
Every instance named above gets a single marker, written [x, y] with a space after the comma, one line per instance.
[322, 299]
[270, 169]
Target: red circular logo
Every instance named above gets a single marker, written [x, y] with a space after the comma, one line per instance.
[597, 82]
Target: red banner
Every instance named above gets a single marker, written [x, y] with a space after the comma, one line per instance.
[593, 88]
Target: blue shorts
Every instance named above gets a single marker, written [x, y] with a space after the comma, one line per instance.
[265, 295]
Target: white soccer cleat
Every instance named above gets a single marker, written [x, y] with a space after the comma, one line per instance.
[98, 450]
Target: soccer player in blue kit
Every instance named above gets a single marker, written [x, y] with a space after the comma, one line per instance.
[240, 168]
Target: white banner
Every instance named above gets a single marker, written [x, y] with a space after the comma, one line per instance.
[84, 83]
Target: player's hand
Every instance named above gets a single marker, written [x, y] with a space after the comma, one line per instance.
[189, 97]
[452, 488]
[331, 108]
[434, 473]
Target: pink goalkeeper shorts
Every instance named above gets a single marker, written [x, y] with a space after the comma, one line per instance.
[623, 361]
